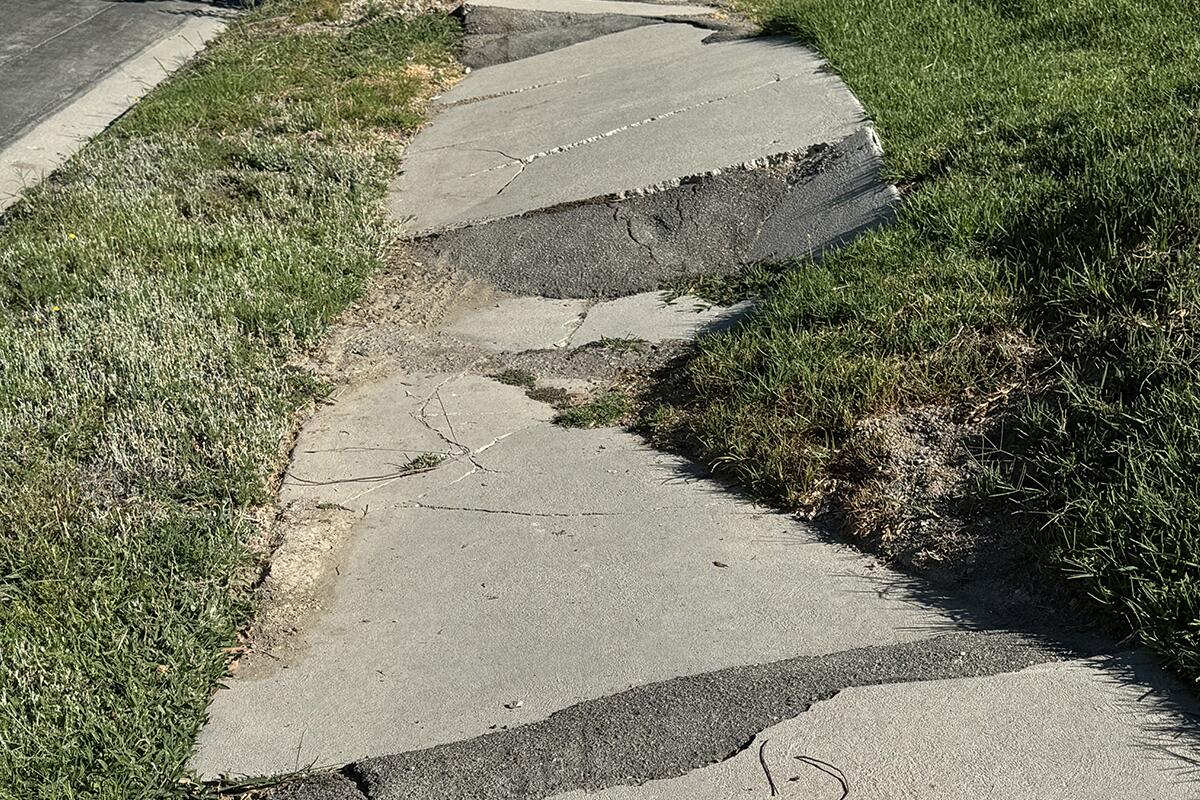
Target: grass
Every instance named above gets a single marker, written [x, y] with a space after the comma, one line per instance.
[610, 407]
[1049, 151]
[153, 295]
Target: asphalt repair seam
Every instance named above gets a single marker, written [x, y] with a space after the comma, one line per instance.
[786, 205]
[661, 730]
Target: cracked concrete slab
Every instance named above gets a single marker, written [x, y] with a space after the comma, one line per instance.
[513, 324]
[622, 112]
[355, 451]
[667, 729]
[562, 565]
[1059, 731]
[650, 318]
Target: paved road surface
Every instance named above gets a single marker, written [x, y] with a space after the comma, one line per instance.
[53, 53]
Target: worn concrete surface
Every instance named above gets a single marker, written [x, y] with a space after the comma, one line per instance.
[549, 612]
[622, 112]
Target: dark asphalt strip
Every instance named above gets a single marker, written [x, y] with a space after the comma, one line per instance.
[662, 730]
[794, 205]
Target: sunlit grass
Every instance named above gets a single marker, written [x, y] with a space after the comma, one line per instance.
[153, 294]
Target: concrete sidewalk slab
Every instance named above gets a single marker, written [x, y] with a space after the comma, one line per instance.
[513, 324]
[563, 565]
[622, 112]
[648, 317]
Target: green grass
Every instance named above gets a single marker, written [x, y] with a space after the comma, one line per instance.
[152, 296]
[1050, 155]
[610, 407]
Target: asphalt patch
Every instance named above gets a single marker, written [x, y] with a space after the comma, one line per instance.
[788, 206]
[661, 730]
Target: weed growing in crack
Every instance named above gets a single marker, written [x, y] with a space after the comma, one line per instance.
[622, 344]
[610, 408]
[423, 463]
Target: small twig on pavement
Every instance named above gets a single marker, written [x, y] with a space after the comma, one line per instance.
[762, 759]
[453, 436]
[387, 476]
[830, 770]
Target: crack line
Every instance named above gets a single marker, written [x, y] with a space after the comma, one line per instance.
[529, 159]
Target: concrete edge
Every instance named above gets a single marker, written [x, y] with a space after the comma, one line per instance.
[51, 142]
[811, 153]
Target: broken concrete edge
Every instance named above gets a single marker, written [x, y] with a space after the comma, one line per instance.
[496, 35]
[810, 158]
[41, 150]
[663, 729]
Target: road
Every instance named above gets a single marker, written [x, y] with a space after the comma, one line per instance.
[96, 55]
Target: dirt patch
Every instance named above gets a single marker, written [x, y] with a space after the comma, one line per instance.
[308, 541]
[904, 485]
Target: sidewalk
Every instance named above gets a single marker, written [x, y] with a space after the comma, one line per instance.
[474, 602]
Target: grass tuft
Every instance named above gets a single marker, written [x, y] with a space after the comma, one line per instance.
[612, 407]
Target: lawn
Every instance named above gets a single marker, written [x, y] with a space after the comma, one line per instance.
[153, 295]
[1049, 237]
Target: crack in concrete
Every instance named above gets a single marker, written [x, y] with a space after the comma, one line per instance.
[495, 95]
[513, 512]
[529, 159]
[667, 729]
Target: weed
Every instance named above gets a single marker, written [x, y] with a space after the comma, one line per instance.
[611, 407]
[424, 462]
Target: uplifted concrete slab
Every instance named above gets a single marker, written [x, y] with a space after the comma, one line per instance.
[539, 567]
[785, 207]
[650, 318]
[1057, 731]
[623, 112]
